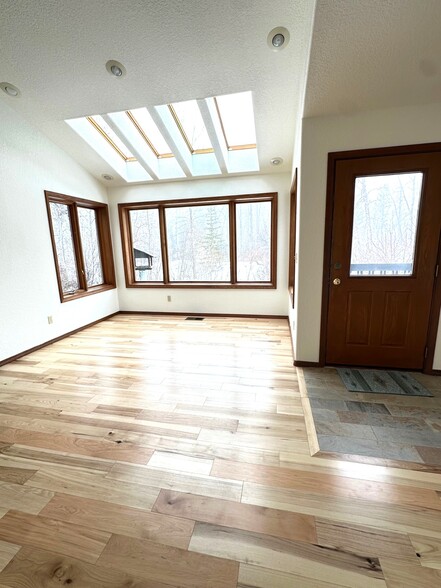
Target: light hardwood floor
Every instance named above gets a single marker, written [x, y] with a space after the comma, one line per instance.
[150, 451]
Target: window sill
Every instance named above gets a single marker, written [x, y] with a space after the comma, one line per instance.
[89, 292]
[205, 285]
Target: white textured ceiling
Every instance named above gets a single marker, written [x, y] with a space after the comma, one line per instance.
[369, 54]
[55, 52]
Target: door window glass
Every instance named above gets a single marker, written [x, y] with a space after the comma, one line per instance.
[385, 223]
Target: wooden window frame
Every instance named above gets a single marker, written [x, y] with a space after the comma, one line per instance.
[161, 205]
[292, 240]
[104, 239]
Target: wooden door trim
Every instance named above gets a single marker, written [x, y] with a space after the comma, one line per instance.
[435, 310]
[433, 321]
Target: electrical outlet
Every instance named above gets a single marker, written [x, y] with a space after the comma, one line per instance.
[168, 298]
[50, 320]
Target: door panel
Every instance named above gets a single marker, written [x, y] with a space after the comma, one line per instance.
[358, 318]
[385, 232]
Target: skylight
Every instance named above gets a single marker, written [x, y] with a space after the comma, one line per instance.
[146, 126]
[207, 137]
[189, 120]
[111, 137]
[237, 119]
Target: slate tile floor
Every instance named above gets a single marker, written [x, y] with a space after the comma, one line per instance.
[377, 426]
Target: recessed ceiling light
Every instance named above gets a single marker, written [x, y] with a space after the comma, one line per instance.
[278, 38]
[107, 177]
[276, 161]
[10, 89]
[115, 68]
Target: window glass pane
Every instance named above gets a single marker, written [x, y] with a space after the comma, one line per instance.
[90, 246]
[64, 247]
[146, 241]
[148, 125]
[113, 136]
[198, 243]
[253, 237]
[385, 224]
[236, 112]
[191, 120]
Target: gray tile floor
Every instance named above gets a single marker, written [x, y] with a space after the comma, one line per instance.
[385, 426]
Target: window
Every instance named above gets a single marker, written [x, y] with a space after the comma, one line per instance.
[209, 242]
[237, 119]
[208, 136]
[111, 137]
[146, 127]
[385, 221]
[191, 126]
[82, 246]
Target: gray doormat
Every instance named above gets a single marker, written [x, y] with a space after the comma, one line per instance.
[381, 382]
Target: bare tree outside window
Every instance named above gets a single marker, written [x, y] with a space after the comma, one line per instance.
[253, 234]
[212, 242]
[62, 231]
[198, 243]
[385, 222]
[82, 246]
[90, 246]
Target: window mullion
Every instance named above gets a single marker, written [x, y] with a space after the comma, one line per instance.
[164, 250]
[233, 250]
[78, 247]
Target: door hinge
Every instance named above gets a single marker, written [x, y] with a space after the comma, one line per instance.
[436, 270]
[426, 352]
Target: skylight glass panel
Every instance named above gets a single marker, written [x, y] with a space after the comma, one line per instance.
[145, 124]
[190, 122]
[103, 128]
[237, 118]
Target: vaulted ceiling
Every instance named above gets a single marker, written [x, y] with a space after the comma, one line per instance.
[343, 56]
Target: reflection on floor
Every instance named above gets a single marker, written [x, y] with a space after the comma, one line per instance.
[385, 426]
[154, 452]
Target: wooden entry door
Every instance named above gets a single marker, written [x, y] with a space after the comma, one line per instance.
[386, 225]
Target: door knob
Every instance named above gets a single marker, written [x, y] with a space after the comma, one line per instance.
[336, 281]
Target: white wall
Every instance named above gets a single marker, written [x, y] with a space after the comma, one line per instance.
[321, 135]
[297, 164]
[30, 164]
[234, 301]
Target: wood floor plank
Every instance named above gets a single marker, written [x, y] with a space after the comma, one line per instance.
[177, 567]
[428, 550]
[15, 475]
[35, 568]
[240, 516]
[103, 448]
[400, 574]
[7, 552]
[90, 485]
[287, 556]
[330, 485]
[22, 497]
[357, 539]
[64, 538]
[394, 518]
[167, 460]
[25, 457]
[193, 483]
[258, 577]
[121, 520]
[202, 421]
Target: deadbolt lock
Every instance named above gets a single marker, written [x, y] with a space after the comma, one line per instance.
[336, 281]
